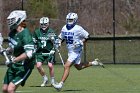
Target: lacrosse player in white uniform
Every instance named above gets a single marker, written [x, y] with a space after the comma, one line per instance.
[75, 36]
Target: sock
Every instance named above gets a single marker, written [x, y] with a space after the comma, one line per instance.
[94, 63]
[45, 77]
[52, 80]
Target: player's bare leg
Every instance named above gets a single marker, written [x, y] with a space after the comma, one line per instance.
[81, 66]
[65, 75]
[5, 88]
[11, 88]
[42, 73]
[51, 70]
[66, 71]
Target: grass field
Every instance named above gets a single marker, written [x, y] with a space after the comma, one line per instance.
[112, 79]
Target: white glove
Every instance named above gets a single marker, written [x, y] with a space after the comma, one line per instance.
[78, 43]
[52, 52]
[52, 38]
[57, 43]
[8, 62]
[13, 59]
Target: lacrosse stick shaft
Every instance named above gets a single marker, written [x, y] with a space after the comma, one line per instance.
[52, 39]
[5, 55]
[44, 54]
[60, 57]
[4, 52]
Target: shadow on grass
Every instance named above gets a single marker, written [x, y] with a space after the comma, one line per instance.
[40, 86]
[70, 90]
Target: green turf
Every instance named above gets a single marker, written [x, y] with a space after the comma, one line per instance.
[112, 79]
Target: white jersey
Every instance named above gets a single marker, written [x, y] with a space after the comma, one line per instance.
[75, 34]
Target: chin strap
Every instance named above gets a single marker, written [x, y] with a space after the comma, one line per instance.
[70, 26]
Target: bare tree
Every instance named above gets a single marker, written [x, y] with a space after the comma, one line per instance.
[1, 14]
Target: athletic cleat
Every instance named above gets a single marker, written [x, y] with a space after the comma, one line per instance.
[44, 83]
[57, 86]
[52, 82]
[98, 62]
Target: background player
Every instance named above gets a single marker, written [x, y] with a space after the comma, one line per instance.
[42, 38]
[75, 36]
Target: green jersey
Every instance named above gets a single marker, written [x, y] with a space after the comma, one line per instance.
[18, 72]
[43, 42]
[21, 42]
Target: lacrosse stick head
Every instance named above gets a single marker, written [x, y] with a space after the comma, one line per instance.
[51, 36]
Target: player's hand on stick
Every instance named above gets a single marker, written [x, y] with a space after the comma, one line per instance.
[78, 43]
[52, 52]
[8, 51]
[12, 59]
[57, 43]
[2, 51]
[10, 62]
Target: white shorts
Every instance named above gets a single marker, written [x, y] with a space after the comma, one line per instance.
[74, 57]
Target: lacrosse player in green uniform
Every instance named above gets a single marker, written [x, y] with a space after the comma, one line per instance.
[43, 37]
[22, 47]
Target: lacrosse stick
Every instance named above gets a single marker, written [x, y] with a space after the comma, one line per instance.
[4, 52]
[52, 38]
[60, 56]
[44, 54]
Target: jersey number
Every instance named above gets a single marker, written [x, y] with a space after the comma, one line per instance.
[43, 44]
[69, 39]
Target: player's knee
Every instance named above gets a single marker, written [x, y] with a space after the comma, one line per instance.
[78, 67]
[50, 65]
[4, 89]
[10, 89]
[66, 66]
[38, 66]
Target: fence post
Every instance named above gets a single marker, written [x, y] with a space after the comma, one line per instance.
[85, 53]
[22, 8]
[114, 46]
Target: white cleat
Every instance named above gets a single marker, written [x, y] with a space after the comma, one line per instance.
[97, 62]
[44, 83]
[57, 86]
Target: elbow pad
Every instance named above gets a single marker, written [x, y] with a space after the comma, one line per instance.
[29, 53]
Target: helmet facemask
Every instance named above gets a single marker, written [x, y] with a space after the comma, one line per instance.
[16, 18]
[12, 23]
[44, 23]
[44, 26]
[71, 20]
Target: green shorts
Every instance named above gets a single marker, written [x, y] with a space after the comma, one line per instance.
[41, 58]
[17, 74]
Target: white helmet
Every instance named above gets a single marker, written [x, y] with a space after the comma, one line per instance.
[44, 23]
[16, 17]
[71, 18]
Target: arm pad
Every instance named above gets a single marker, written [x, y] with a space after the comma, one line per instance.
[29, 53]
